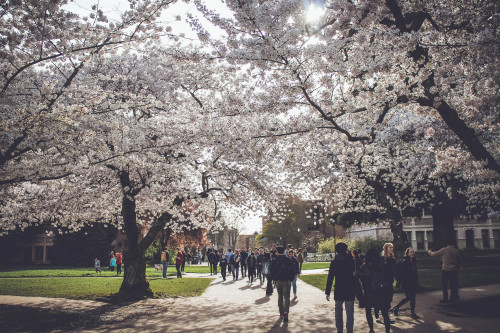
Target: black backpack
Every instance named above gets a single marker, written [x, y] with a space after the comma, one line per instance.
[282, 269]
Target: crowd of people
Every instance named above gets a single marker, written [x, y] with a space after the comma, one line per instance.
[370, 278]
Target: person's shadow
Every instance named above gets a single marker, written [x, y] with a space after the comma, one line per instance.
[278, 328]
[262, 300]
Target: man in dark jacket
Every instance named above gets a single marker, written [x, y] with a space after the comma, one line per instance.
[342, 269]
[212, 260]
[282, 272]
[243, 262]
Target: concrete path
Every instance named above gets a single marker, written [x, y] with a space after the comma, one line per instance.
[238, 307]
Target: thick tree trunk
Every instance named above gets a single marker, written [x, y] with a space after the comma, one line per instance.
[442, 220]
[400, 240]
[135, 284]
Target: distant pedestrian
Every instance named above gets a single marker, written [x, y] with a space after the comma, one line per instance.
[243, 262]
[282, 272]
[211, 261]
[450, 268]
[200, 256]
[178, 262]
[295, 271]
[235, 261]
[111, 255]
[260, 263]
[300, 260]
[407, 275]
[183, 263]
[165, 258]
[252, 266]
[112, 263]
[119, 262]
[97, 265]
[229, 255]
[342, 269]
[223, 265]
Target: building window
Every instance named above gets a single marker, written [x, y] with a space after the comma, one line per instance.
[420, 240]
[408, 236]
[38, 253]
[496, 237]
[485, 235]
[430, 240]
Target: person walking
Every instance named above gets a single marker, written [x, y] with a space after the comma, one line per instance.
[200, 257]
[450, 258]
[377, 292]
[178, 262]
[217, 259]
[342, 269]
[165, 258]
[111, 256]
[408, 277]
[235, 260]
[183, 263]
[267, 272]
[252, 265]
[223, 265]
[229, 255]
[243, 262]
[260, 263]
[97, 265]
[211, 260]
[119, 262]
[300, 260]
[282, 272]
[296, 272]
[112, 263]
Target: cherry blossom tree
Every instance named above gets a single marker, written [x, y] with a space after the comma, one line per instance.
[366, 66]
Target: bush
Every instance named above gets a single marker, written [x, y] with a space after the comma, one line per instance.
[367, 243]
[328, 245]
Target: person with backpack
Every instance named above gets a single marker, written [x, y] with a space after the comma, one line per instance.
[406, 273]
[342, 269]
[165, 258]
[373, 280]
[282, 272]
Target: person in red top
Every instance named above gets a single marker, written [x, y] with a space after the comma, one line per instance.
[119, 261]
[178, 262]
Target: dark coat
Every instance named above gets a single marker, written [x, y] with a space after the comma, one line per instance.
[377, 282]
[408, 273]
[251, 262]
[342, 269]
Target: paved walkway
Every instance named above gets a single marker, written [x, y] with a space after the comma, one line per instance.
[238, 307]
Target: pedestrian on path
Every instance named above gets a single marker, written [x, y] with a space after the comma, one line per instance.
[377, 289]
[260, 263]
[183, 263]
[282, 272]
[112, 263]
[243, 262]
[296, 272]
[300, 260]
[450, 268]
[223, 265]
[211, 261]
[165, 258]
[178, 262]
[407, 275]
[235, 260]
[252, 265]
[229, 255]
[111, 255]
[342, 269]
[119, 261]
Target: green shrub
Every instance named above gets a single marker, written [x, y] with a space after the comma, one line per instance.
[367, 243]
[328, 245]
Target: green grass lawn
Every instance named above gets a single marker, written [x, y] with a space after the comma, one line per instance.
[93, 288]
[50, 271]
[430, 279]
[315, 265]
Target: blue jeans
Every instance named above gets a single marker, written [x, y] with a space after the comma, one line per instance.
[339, 316]
[165, 268]
[294, 285]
